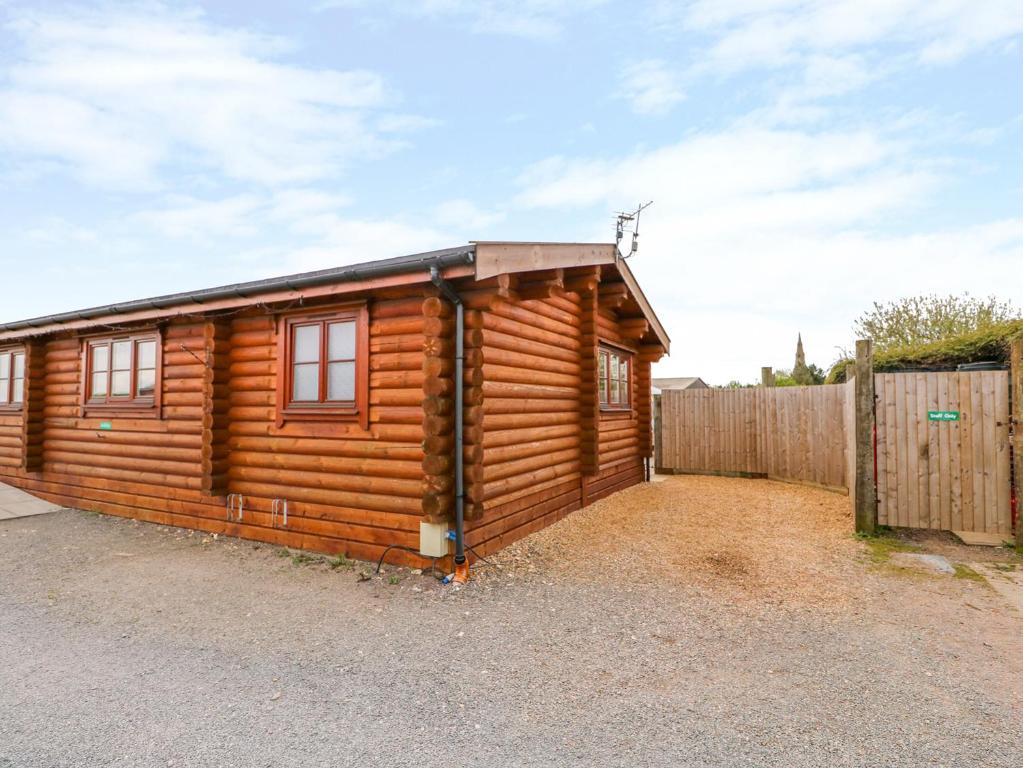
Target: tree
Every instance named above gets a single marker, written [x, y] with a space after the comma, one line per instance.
[924, 319]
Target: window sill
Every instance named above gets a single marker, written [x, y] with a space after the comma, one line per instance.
[614, 411]
[325, 414]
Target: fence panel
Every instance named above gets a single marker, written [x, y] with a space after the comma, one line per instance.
[788, 433]
[943, 451]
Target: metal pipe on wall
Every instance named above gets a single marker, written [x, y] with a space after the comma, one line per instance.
[461, 566]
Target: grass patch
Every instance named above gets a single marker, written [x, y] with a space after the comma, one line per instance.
[341, 561]
[881, 546]
[966, 572]
[394, 579]
[301, 558]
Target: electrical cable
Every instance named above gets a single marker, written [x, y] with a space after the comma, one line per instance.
[433, 566]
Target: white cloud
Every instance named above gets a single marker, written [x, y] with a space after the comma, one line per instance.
[650, 87]
[119, 95]
[536, 19]
[757, 233]
[465, 216]
[749, 33]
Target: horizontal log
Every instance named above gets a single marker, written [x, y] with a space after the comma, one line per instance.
[367, 467]
[566, 339]
[528, 464]
[518, 420]
[396, 397]
[514, 375]
[386, 503]
[413, 342]
[527, 480]
[494, 339]
[510, 453]
[498, 389]
[119, 459]
[148, 478]
[348, 487]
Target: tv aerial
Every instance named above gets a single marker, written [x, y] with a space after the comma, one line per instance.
[629, 223]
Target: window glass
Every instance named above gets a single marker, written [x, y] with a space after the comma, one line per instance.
[307, 344]
[122, 356]
[5, 377]
[19, 365]
[147, 382]
[18, 391]
[306, 382]
[341, 341]
[100, 358]
[99, 384]
[120, 383]
[341, 382]
[613, 379]
[147, 354]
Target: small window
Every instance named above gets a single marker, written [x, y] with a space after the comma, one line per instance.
[614, 383]
[324, 366]
[122, 371]
[12, 378]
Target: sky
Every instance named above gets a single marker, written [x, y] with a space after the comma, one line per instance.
[805, 158]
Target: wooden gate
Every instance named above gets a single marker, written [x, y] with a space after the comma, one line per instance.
[943, 450]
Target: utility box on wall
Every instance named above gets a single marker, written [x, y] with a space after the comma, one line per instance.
[433, 539]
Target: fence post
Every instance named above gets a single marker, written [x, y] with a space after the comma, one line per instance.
[865, 492]
[658, 429]
[767, 376]
[1016, 420]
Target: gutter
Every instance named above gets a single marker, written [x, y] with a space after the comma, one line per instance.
[461, 575]
[403, 264]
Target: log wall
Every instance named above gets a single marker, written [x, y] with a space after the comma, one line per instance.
[548, 450]
[348, 489]
[536, 445]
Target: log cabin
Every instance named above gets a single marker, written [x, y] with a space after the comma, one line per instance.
[490, 389]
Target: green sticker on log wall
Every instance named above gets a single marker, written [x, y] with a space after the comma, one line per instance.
[105, 425]
[943, 415]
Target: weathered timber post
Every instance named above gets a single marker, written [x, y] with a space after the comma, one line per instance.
[1017, 430]
[767, 376]
[658, 456]
[864, 490]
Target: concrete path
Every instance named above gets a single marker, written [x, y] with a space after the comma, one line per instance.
[16, 503]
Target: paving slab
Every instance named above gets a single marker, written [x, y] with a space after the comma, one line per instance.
[980, 539]
[15, 503]
[1006, 582]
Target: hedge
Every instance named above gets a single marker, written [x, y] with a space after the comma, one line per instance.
[991, 343]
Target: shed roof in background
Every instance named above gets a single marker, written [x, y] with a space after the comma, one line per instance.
[680, 382]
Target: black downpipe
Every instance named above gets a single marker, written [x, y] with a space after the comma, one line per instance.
[454, 298]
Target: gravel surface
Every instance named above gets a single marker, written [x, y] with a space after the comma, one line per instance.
[689, 622]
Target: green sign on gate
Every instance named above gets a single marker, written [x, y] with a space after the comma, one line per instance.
[943, 415]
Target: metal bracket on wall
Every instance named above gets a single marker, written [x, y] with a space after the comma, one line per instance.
[235, 506]
[279, 511]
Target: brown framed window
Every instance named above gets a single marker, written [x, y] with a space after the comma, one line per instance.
[122, 372]
[12, 379]
[324, 365]
[614, 381]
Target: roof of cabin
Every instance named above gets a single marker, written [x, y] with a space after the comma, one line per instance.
[486, 258]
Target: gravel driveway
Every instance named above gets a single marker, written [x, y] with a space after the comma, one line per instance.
[688, 622]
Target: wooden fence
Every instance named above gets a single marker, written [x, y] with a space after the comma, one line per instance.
[785, 433]
[943, 451]
[942, 443]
